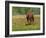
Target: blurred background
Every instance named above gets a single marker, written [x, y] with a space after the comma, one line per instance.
[24, 10]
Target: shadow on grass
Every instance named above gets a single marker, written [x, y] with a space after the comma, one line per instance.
[27, 24]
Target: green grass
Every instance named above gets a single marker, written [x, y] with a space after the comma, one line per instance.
[19, 23]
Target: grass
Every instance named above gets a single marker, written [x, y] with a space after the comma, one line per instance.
[19, 23]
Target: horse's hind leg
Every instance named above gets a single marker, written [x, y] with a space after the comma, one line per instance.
[30, 21]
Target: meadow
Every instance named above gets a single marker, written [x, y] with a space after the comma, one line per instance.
[19, 23]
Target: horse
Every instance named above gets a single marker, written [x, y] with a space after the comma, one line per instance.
[29, 17]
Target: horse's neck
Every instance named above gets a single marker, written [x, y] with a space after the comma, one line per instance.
[29, 14]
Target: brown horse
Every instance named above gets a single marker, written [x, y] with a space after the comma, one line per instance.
[29, 17]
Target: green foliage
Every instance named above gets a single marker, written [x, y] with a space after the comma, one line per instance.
[24, 10]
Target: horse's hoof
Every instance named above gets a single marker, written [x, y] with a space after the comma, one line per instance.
[26, 24]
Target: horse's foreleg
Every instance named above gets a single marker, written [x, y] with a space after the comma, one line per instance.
[28, 21]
